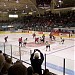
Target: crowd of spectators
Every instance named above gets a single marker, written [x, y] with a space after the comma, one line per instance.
[45, 22]
[48, 21]
[8, 67]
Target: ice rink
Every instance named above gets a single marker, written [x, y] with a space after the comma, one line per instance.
[54, 57]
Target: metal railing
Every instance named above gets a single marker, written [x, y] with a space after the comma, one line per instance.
[55, 64]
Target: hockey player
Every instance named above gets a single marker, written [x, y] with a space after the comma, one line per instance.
[25, 42]
[43, 38]
[36, 40]
[47, 45]
[6, 38]
[50, 35]
[53, 37]
[62, 40]
[34, 35]
[20, 41]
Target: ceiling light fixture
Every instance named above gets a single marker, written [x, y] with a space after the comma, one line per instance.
[4, 4]
[7, 9]
[31, 9]
[15, 8]
[15, 11]
[60, 1]
[26, 6]
[17, 1]
[23, 11]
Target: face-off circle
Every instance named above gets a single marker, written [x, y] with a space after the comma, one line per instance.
[17, 53]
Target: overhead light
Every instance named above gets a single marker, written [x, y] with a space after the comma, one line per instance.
[30, 13]
[5, 12]
[4, 4]
[24, 13]
[58, 6]
[34, 11]
[13, 16]
[15, 8]
[26, 6]
[31, 9]
[17, 1]
[10, 26]
[60, 1]
[73, 8]
[15, 11]
[7, 9]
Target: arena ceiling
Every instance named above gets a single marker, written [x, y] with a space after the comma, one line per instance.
[22, 7]
[17, 6]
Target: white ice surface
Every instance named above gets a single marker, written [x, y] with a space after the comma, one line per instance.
[58, 50]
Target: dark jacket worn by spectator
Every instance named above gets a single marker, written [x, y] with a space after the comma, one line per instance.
[17, 69]
[36, 62]
[30, 70]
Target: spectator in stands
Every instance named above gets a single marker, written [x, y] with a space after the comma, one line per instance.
[30, 70]
[18, 62]
[35, 74]
[17, 69]
[36, 62]
[1, 52]
[2, 61]
[7, 58]
[7, 65]
[46, 71]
